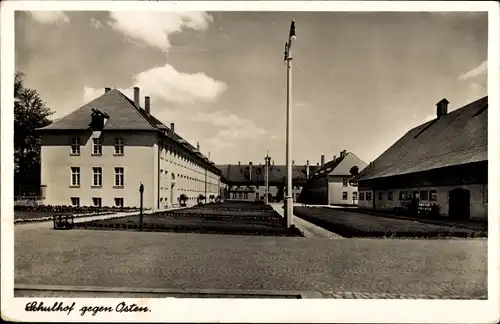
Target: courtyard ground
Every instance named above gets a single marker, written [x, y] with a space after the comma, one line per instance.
[174, 262]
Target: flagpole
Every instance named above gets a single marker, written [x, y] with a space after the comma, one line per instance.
[288, 59]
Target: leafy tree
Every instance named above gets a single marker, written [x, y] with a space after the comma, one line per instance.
[30, 113]
[354, 170]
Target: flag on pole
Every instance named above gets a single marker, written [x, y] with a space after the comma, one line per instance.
[292, 30]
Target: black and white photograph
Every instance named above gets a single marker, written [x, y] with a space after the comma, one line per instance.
[250, 161]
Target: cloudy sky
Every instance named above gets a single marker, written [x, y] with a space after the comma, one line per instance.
[360, 80]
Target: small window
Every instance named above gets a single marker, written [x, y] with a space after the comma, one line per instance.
[401, 195]
[118, 202]
[424, 195]
[380, 196]
[368, 196]
[97, 176]
[96, 146]
[390, 195]
[97, 202]
[344, 195]
[344, 182]
[361, 196]
[118, 146]
[75, 176]
[75, 201]
[119, 177]
[256, 187]
[75, 146]
[433, 195]
[355, 195]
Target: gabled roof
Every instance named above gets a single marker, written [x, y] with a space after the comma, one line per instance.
[124, 115]
[457, 138]
[277, 173]
[341, 166]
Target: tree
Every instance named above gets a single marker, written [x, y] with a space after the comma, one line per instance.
[354, 170]
[30, 113]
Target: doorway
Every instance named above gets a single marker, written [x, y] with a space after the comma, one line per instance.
[459, 204]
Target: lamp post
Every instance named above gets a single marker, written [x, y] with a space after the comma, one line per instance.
[288, 60]
[266, 196]
[141, 192]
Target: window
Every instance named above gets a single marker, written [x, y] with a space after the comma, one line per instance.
[97, 202]
[234, 195]
[401, 195]
[361, 196]
[390, 195]
[344, 195]
[433, 195]
[118, 202]
[245, 195]
[344, 182]
[75, 146]
[119, 177]
[96, 146]
[424, 195]
[355, 195]
[97, 177]
[256, 187]
[118, 146]
[368, 196]
[380, 196]
[75, 201]
[75, 177]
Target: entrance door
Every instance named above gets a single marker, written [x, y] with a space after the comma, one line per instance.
[459, 204]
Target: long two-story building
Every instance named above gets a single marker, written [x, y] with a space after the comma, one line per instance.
[101, 153]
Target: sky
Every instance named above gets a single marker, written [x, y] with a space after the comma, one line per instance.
[360, 80]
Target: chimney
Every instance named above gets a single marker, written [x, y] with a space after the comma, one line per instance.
[345, 152]
[198, 146]
[107, 89]
[293, 162]
[250, 171]
[136, 96]
[250, 163]
[147, 104]
[307, 169]
[442, 108]
[172, 128]
[334, 157]
[317, 164]
[239, 162]
[322, 159]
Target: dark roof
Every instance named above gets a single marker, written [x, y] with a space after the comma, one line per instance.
[327, 168]
[123, 114]
[240, 173]
[457, 138]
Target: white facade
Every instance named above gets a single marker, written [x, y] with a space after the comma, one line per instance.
[390, 199]
[164, 167]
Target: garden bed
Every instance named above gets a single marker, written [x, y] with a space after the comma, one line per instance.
[196, 220]
[352, 224]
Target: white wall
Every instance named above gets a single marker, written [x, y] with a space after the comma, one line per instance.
[137, 161]
[478, 199]
[335, 193]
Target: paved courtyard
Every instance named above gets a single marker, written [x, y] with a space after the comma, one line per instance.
[344, 268]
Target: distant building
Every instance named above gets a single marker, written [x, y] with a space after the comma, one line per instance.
[99, 154]
[443, 162]
[330, 184]
[246, 182]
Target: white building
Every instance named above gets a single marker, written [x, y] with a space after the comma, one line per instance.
[99, 154]
[330, 185]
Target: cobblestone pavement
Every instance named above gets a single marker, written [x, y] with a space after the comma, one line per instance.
[363, 267]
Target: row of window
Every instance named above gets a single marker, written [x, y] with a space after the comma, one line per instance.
[96, 201]
[97, 176]
[96, 146]
[345, 195]
[426, 195]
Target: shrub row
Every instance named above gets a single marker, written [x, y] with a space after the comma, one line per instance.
[383, 229]
[293, 231]
[73, 209]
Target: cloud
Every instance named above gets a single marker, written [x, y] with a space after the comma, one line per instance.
[155, 28]
[478, 70]
[96, 23]
[167, 84]
[50, 17]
